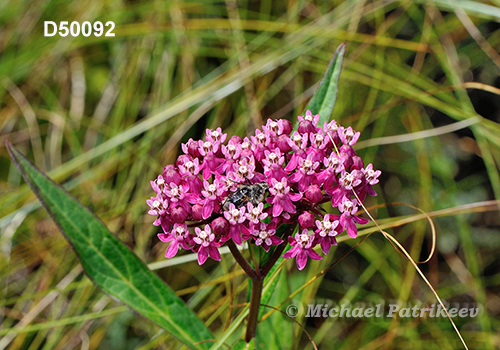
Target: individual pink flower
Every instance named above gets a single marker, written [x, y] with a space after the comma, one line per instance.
[273, 164]
[264, 236]
[306, 172]
[236, 218]
[318, 145]
[348, 136]
[302, 247]
[179, 195]
[260, 142]
[330, 130]
[211, 194]
[371, 175]
[190, 171]
[298, 143]
[255, 213]
[232, 153]
[178, 237]
[158, 185]
[282, 197]
[157, 205]
[210, 161]
[207, 246]
[215, 136]
[326, 232]
[348, 219]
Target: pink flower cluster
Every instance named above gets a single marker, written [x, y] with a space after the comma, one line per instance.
[243, 190]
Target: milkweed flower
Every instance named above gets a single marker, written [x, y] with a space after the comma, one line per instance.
[244, 189]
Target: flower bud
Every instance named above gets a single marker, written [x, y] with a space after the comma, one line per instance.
[235, 140]
[307, 220]
[314, 194]
[357, 163]
[194, 149]
[220, 226]
[178, 214]
[197, 212]
[170, 174]
[306, 127]
[282, 143]
[182, 160]
[284, 127]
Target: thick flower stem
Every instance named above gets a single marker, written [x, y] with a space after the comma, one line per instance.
[241, 260]
[253, 314]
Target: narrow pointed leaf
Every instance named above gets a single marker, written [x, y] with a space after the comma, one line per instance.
[242, 345]
[110, 264]
[323, 100]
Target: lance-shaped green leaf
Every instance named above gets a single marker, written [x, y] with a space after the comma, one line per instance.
[242, 345]
[324, 98]
[110, 264]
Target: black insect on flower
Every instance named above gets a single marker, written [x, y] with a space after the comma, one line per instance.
[246, 193]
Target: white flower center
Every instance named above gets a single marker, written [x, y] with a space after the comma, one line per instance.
[327, 225]
[303, 239]
[279, 187]
[203, 235]
[307, 165]
[243, 169]
[207, 146]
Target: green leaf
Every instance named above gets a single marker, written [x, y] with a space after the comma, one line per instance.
[242, 345]
[110, 264]
[324, 98]
[276, 332]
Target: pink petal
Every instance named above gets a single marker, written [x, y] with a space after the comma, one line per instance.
[301, 259]
[235, 234]
[291, 253]
[359, 220]
[202, 255]
[313, 255]
[172, 249]
[352, 230]
[325, 246]
[208, 208]
[277, 209]
[165, 237]
[214, 252]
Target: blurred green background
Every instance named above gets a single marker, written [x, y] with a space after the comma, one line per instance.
[103, 115]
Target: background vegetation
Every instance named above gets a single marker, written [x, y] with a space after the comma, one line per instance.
[104, 115]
